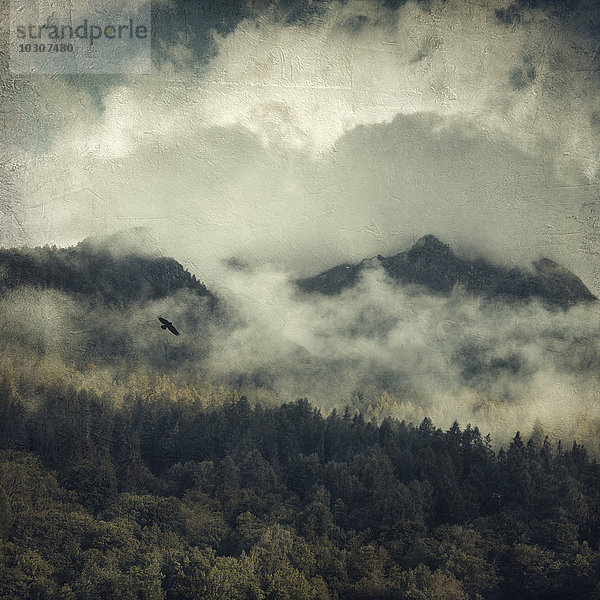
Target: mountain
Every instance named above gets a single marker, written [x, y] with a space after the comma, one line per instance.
[124, 269]
[432, 264]
[105, 269]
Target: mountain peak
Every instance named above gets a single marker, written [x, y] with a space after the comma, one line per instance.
[430, 253]
[430, 241]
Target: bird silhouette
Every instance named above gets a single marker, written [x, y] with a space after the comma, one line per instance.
[168, 325]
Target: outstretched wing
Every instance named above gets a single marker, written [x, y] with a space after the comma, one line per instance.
[164, 321]
[172, 329]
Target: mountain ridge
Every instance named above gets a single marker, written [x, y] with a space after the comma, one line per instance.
[111, 271]
[432, 264]
[93, 270]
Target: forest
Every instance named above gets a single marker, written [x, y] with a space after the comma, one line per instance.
[150, 496]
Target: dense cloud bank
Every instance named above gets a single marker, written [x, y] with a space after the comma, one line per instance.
[450, 357]
[304, 134]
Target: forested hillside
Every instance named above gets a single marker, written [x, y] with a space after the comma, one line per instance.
[151, 497]
[93, 271]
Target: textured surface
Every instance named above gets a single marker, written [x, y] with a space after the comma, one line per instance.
[294, 445]
[306, 134]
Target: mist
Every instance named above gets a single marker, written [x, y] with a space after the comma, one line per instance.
[379, 347]
[499, 365]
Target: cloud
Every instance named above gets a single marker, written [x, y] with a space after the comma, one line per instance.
[211, 193]
[453, 60]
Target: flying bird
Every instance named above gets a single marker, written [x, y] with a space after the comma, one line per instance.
[168, 325]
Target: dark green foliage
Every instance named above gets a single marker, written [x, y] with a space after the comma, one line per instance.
[164, 500]
[5, 515]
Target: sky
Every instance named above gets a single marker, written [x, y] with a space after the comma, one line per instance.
[306, 134]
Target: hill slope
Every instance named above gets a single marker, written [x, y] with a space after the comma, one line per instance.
[92, 270]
